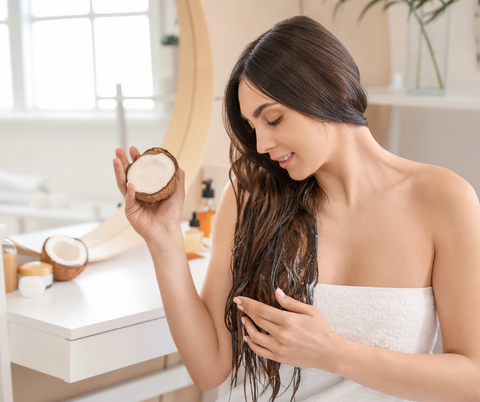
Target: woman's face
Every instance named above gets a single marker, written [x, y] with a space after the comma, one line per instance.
[281, 131]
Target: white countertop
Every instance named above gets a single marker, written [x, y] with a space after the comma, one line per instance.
[107, 295]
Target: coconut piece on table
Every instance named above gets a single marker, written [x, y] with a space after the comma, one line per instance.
[68, 256]
[154, 175]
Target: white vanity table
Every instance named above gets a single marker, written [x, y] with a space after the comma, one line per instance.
[110, 316]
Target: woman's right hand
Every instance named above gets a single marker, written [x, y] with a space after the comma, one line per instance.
[151, 220]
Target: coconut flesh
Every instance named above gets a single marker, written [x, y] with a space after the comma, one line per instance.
[68, 256]
[154, 175]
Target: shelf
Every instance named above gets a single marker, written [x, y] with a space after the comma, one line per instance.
[466, 100]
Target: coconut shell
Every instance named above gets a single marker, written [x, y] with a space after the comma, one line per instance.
[166, 191]
[62, 272]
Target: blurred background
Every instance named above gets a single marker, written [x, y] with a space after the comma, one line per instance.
[60, 63]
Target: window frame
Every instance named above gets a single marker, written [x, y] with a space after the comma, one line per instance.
[20, 23]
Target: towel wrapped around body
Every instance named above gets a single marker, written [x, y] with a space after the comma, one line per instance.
[399, 319]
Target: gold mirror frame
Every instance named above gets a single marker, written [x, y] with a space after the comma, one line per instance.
[186, 134]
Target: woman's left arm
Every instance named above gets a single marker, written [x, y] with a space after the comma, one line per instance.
[302, 338]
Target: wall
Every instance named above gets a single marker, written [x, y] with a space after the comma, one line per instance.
[74, 154]
[448, 138]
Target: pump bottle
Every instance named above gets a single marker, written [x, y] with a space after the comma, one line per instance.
[206, 211]
[193, 237]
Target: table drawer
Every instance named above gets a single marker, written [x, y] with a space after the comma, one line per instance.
[90, 356]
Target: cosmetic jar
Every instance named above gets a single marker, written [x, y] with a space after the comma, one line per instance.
[31, 286]
[36, 268]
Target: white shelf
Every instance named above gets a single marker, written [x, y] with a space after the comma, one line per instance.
[466, 100]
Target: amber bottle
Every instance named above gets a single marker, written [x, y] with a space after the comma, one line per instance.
[206, 211]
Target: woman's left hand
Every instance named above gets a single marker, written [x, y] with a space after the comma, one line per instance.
[298, 337]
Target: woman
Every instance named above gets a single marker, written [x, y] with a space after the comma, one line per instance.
[345, 312]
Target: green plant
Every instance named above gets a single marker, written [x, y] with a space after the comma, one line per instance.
[170, 40]
[416, 8]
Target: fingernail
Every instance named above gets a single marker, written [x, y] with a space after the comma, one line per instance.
[243, 320]
[237, 300]
[245, 339]
[280, 293]
[239, 307]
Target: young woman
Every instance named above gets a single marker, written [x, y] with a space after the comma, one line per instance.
[331, 256]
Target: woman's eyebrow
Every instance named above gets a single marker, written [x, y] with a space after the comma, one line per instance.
[258, 111]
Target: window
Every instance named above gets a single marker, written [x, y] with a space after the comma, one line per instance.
[6, 89]
[70, 55]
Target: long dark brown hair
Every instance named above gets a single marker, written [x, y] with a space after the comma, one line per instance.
[301, 65]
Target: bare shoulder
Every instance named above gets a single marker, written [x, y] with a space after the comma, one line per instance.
[441, 186]
[451, 207]
[443, 195]
[436, 180]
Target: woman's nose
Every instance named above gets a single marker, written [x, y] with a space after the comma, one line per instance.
[265, 141]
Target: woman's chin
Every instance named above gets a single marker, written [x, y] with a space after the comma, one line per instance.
[297, 177]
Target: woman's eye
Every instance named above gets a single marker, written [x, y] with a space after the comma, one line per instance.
[274, 123]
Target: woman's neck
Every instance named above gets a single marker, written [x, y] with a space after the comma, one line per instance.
[357, 167]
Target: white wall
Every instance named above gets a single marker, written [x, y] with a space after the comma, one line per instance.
[75, 155]
[448, 138]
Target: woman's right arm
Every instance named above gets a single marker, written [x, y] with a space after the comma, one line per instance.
[196, 323]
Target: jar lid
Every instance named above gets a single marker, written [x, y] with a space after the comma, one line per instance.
[35, 268]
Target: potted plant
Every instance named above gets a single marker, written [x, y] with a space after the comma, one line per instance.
[171, 42]
[427, 43]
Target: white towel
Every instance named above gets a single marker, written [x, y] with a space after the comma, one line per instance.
[21, 182]
[399, 319]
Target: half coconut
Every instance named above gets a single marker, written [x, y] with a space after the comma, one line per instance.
[68, 256]
[154, 175]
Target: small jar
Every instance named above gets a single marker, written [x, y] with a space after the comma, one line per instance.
[36, 268]
[9, 252]
[31, 286]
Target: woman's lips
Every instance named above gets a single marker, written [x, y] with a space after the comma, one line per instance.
[285, 164]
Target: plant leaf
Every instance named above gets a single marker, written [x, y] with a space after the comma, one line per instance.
[435, 14]
[411, 6]
[439, 11]
[388, 5]
[421, 3]
[337, 6]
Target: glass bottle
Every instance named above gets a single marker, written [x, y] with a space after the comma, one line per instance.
[9, 252]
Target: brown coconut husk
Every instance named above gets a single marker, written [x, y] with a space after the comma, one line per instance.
[166, 191]
[62, 272]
